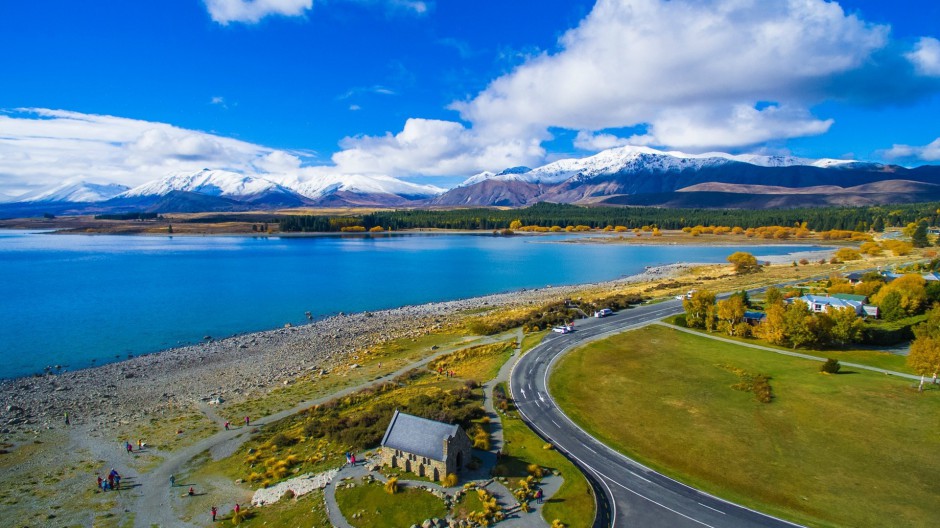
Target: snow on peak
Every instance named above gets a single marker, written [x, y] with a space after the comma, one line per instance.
[75, 191]
[322, 185]
[208, 182]
[632, 158]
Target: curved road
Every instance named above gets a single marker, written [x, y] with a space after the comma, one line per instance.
[628, 493]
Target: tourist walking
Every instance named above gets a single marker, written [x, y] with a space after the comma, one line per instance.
[191, 491]
[172, 480]
[214, 511]
[247, 421]
[538, 496]
[67, 422]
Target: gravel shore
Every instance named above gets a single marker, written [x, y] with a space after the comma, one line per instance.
[233, 367]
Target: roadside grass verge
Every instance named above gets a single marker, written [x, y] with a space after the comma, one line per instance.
[368, 505]
[871, 358]
[573, 504]
[844, 450]
[531, 339]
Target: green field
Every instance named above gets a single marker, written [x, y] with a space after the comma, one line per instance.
[854, 449]
[374, 507]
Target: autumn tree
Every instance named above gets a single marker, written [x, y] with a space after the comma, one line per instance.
[515, 225]
[846, 325]
[730, 315]
[848, 254]
[743, 262]
[773, 328]
[924, 355]
[700, 310]
[773, 296]
[799, 325]
[912, 292]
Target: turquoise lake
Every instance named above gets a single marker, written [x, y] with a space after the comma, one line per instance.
[80, 300]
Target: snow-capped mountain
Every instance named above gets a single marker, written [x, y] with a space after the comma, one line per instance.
[209, 182]
[76, 192]
[321, 186]
[630, 170]
[644, 159]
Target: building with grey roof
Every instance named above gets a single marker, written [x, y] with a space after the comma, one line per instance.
[425, 447]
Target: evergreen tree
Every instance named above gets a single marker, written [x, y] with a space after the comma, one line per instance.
[919, 236]
[878, 226]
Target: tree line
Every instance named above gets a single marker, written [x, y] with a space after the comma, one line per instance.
[548, 215]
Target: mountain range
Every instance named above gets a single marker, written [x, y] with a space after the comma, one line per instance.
[620, 176]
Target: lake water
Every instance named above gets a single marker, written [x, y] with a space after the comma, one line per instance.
[71, 299]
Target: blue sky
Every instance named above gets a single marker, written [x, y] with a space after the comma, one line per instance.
[434, 91]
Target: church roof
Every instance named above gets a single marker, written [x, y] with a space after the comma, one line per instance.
[417, 435]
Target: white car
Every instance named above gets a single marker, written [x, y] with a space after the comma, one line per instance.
[564, 329]
[604, 312]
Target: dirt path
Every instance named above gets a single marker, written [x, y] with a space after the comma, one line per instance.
[154, 504]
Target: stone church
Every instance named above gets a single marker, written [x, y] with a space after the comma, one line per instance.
[425, 447]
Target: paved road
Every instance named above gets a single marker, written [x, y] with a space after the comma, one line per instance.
[629, 494]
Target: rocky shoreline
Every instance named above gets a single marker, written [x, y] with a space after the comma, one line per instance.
[233, 367]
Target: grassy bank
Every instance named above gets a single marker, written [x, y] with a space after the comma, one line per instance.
[846, 450]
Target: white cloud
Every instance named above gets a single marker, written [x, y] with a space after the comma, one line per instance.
[432, 147]
[928, 152]
[252, 11]
[926, 56]
[40, 147]
[586, 140]
[632, 62]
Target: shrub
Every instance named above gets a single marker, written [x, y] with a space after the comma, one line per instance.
[535, 470]
[558, 524]
[450, 480]
[548, 447]
[831, 366]
[391, 486]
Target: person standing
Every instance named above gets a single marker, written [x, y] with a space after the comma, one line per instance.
[247, 421]
[214, 511]
[67, 422]
[172, 480]
[538, 496]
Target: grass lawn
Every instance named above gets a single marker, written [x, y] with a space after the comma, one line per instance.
[377, 508]
[574, 502]
[308, 510]
[845, 450]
